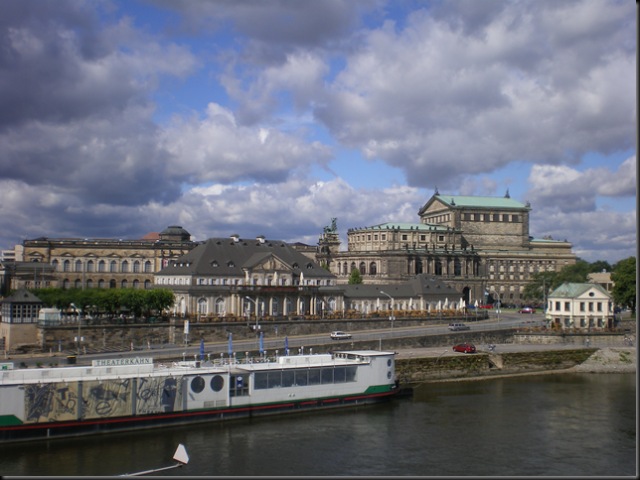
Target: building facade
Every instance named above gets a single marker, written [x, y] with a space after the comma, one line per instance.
[481, 246]
[236, 277]
[580, 306]
[98, 263]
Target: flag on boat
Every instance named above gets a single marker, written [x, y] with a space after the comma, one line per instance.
[261, 342]
[286, 346]
[202, 349]
[230, 344]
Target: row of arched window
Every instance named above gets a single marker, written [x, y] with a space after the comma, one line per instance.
[101, 283]
[112, 266]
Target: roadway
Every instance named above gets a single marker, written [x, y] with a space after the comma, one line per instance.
[506, 321]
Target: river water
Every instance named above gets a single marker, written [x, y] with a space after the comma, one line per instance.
[567, 424]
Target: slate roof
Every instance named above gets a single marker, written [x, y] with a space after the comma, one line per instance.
[421, 285]
[22, 296]
[226, 257]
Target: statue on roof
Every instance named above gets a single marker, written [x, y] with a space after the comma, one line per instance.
[333, 228]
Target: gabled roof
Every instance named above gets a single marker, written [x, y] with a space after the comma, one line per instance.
[227, 257]
[577, 290]
[468, 201]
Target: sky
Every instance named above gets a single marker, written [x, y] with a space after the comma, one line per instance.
[271, 117]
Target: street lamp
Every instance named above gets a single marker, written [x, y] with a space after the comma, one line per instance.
[257, 309]
[499, 302]
[391, 318]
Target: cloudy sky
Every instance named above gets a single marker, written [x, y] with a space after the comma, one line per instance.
[271, 117]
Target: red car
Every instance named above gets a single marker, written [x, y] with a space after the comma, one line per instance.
[527, 310]
[464, 348]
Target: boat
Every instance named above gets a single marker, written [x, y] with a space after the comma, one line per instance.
[137, 393]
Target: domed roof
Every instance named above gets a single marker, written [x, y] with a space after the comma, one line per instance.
[175, 232]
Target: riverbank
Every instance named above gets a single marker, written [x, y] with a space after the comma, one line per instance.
[428, 365]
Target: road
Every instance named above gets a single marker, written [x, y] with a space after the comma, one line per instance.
[507, 321]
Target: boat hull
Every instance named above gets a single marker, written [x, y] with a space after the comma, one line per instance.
[135, 398]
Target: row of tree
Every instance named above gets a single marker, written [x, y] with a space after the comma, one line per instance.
[111, 301]
[623, 276]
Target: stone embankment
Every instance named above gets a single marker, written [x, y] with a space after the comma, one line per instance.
[415, 366]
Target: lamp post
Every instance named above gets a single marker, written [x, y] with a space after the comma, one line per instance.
[499, 302]
[257, 309]
[391, 318]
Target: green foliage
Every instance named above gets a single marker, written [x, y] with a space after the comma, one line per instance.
[543, 282]
[108, 301]
[624, 279]
[355, 278]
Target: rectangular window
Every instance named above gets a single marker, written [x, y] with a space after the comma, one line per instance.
[496, 217]
[314, 376]
[582, 306]
[567, 306]
[515, 218]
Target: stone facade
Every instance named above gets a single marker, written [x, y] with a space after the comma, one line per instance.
[101, 263]
[479, 245]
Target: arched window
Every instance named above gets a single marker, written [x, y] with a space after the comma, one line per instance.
[90, 266]
[419, 267]
[147, 284]
[113, 266]
[55, 265]
[136, 266]
[353, 267]
[373, 269]
[457, 267]
[438, 266]
[125, 267]
[101, 283]
[65, 283]
[202, 306]
[89, 283]
[77, 284]
[136, 283]
[363, 268]
[220, 310]
[147, 266]
[78, 267]
[66, 266]
[112, 284]
[101, 266]
[124, 284]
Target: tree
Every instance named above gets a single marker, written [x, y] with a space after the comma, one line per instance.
[355, 278]
[624, 279]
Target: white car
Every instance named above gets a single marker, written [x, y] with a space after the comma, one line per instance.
[339, 335]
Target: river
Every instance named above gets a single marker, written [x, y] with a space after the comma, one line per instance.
[569, 424]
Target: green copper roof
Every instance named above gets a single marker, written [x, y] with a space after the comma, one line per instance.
[488, 202]
[574, 290]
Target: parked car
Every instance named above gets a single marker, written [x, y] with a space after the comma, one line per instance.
[464, 348]
[527, 310]
[340, 335]
[458, 326]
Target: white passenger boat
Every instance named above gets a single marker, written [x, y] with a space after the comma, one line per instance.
[136, 393]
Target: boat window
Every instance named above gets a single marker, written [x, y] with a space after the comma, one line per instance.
[217, 383]
[327, 375]
[301, 378]
[340, 375]
[288, 378]
[314, 376]
[197, 384]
